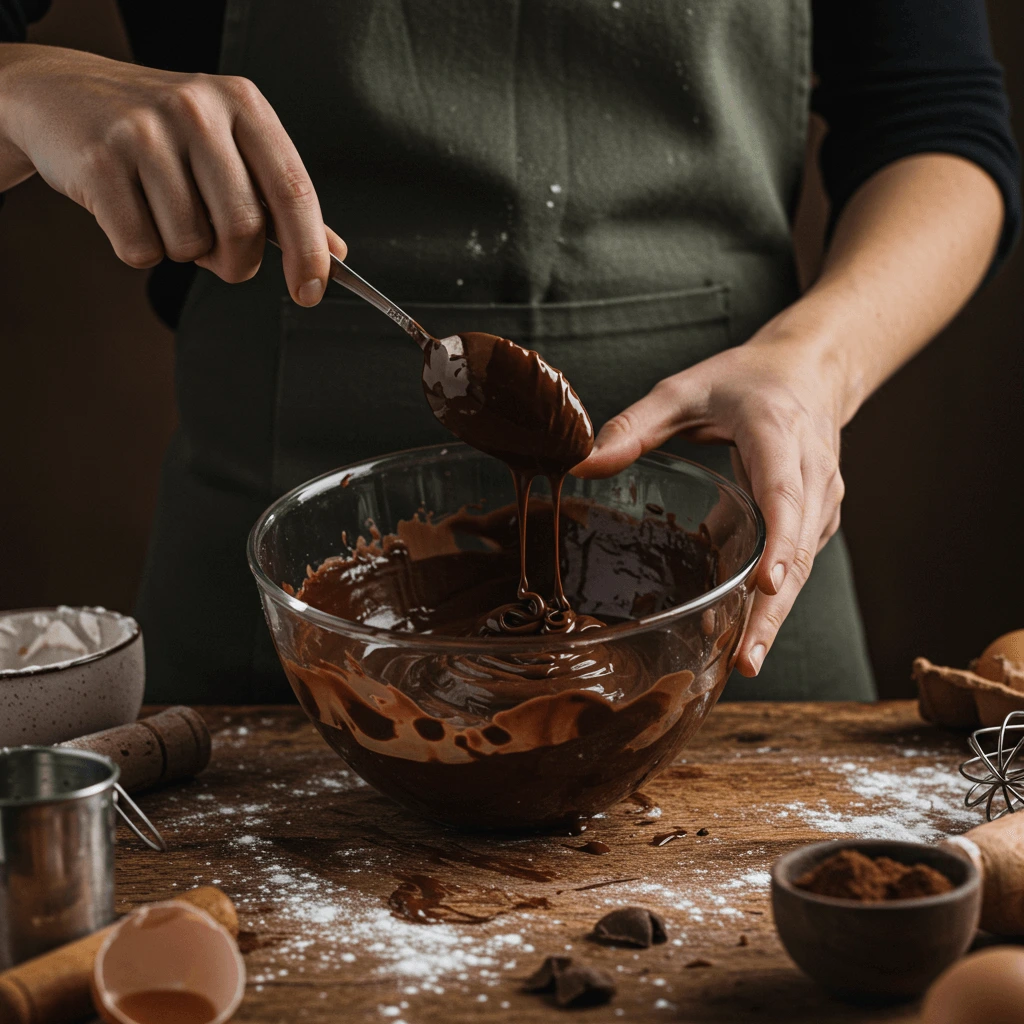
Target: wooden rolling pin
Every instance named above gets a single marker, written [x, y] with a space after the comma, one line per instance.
[55, 988]
[175, 744]
[997, 849]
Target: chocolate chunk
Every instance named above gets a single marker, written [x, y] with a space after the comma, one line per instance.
[702, 831]
[595, 846]
[630, 926]
[574, 984]
[700, 962]
[744, 941]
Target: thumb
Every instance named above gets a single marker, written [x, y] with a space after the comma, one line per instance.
[664, 411]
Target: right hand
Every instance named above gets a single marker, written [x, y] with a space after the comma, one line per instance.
[169, 164]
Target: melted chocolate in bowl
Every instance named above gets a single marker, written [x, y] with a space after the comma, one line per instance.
[530, 733]
[507, 715]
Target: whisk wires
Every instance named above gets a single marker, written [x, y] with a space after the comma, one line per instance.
[997, 774]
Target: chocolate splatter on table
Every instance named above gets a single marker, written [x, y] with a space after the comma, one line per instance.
[353, 909]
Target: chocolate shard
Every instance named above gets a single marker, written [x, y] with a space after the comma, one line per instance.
[573, 984]
[543, 979]
[630, 926]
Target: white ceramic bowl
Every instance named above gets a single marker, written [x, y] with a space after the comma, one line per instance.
[67, 672]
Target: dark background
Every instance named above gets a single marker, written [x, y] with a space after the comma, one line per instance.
[86, 407]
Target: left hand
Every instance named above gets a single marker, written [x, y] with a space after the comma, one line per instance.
[780, 402]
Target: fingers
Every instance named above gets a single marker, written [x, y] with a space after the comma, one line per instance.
[767, 616]
[773, 462]
[234, 208]
[336, 243]
[190, 166]
[672, 405]
[822, 495]
[287, 190]
[739, 470]
[834, 500]
[121, 211]
[829, 532]
[174, 201]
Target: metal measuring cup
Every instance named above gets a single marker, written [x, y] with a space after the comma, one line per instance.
[57, 825]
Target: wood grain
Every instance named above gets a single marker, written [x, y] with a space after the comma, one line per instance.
[315, 861]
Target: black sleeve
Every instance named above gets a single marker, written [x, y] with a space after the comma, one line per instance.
[899, 77]
[17, 15]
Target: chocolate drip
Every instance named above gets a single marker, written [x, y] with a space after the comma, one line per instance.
[508, 402]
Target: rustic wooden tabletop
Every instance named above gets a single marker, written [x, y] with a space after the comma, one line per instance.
[354, 910]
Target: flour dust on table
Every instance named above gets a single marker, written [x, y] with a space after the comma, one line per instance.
[328, 876]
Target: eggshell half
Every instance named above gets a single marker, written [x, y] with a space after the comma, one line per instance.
[166, 946]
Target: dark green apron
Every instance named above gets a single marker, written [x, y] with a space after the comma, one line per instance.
[591, 178]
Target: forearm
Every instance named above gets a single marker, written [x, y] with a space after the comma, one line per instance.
[15, 58]
[909, 249]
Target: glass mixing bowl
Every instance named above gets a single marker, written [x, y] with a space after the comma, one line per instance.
[510, 732]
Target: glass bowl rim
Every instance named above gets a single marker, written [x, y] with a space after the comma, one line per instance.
[395, 638]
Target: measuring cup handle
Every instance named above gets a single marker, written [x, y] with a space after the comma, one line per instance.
[159, 845]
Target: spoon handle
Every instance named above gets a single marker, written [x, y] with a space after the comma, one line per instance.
[348, 278]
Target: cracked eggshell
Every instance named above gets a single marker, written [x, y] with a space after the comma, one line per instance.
[170, 946]
[961, 699]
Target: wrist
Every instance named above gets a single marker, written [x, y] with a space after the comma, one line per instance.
[15, 60]
[818, 335]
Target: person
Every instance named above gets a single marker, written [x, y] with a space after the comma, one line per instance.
[611, 183]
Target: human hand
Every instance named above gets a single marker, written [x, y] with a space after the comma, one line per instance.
[169, 164]
[779, 401]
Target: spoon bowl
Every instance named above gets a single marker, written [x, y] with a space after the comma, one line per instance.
[507, 401]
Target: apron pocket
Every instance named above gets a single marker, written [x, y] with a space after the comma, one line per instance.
[348, 384]
[617, 351]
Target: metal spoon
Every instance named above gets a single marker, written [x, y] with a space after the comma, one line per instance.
[490, 392]
[348, 278]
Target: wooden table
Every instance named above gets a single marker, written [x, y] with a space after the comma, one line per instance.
[320, 865]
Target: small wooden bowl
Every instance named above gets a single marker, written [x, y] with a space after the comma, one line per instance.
[877, 951]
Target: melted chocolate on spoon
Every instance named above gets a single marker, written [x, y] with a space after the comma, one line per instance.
[507, 401]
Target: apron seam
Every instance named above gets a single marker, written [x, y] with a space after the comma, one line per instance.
[634, 314]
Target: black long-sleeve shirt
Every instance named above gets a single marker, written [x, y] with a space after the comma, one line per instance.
[895, 78]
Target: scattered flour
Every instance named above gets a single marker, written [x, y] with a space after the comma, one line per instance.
[920, 804]
[339, 924]
[317, 920]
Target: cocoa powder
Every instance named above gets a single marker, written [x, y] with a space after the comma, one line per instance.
[851, 875]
